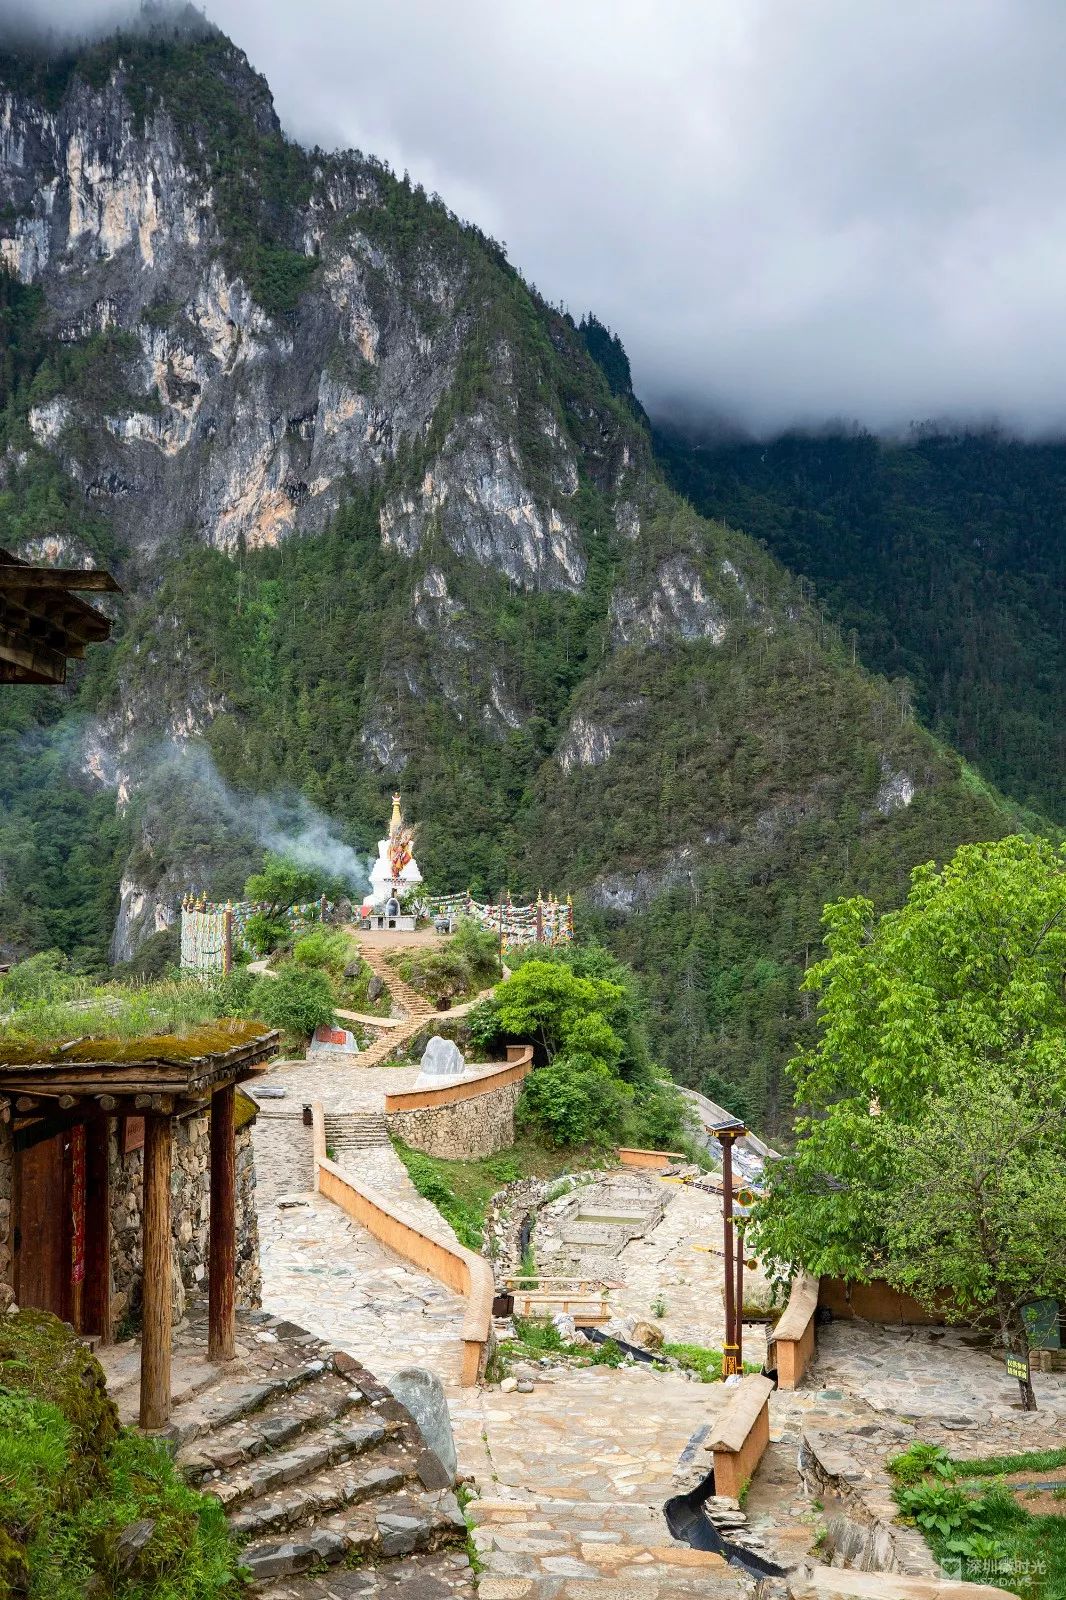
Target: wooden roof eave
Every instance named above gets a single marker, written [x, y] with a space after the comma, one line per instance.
[189, 1080]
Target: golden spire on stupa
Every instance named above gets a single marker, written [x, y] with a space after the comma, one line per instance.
[396, 821]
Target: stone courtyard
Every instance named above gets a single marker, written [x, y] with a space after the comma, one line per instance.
[570, 1471]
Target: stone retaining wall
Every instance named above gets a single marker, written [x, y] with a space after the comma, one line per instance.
[466, 1120]
[190, 1216]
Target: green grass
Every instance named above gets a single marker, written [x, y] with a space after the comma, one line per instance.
[1031, 1461]
[977, 1527]
[706, 1362]
[72, 1480]
[536, 1337]
[462, 1190]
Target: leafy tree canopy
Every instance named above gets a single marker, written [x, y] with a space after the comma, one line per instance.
[937, 1088]
[283, 883]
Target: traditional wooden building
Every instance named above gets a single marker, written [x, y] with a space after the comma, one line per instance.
[89, 1131]
[43, 624]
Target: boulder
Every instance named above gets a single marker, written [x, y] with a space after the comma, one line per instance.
[648, 1335]
[375, 988]
[421, 1393]
[442, 1059]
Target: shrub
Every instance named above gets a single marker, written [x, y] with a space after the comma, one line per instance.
[43, 978]
[442, 974]
[298, 1000]
[479, 948]
[483, 1023]
[320, 948]
[573, 1100]
[263, 933]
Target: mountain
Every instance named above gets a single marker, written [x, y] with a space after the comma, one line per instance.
[945, 554]
[383, 519]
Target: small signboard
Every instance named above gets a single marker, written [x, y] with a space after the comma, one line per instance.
[1017, 1366]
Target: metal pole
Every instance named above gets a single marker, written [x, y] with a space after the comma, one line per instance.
[729, 1366]
[740, 1300]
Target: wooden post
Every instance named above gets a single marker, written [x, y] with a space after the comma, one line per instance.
[227, 940]
[222, 1261]
[738, 1239]
[97, 1303]
[155, 1293]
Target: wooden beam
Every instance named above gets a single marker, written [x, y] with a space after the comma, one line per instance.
[222, 1260]
[38, 658]
[19, 576]
[155, 1290]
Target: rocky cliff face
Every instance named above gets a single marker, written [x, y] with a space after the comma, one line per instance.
[379, 513]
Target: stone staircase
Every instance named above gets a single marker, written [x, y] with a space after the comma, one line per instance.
[319, 1468]
[414, 1008]
[351, 1131]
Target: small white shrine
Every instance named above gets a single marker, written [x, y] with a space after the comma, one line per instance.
[393, 876]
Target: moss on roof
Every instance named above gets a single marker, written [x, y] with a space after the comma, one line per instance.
[206, 1039]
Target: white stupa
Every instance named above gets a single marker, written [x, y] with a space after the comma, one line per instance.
[395, 867]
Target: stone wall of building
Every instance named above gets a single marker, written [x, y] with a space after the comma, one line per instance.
[190, 1217]
[7, 1177]
[466, 1130]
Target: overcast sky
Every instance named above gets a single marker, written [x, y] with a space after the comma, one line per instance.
[790, 210]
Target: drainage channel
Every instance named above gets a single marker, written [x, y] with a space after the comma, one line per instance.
[690, 1524]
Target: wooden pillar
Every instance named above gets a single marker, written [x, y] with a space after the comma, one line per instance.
[156, 1290]
[222, 1261]
[97, 1301]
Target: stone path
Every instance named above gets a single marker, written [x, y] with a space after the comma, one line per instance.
[679, 1265]
[573, 1478]
[942, 1378]
[327, 1272]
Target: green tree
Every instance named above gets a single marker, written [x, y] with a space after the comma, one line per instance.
[978, 1221]
[954, 1000]
[298, 1000]
[282, 883]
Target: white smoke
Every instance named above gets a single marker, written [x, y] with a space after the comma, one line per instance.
[285, 822]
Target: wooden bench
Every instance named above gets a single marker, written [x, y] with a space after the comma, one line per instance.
[741, 1433]
[792, 1340]
[538, 1296]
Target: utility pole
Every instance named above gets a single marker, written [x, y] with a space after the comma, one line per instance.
[727, 1133]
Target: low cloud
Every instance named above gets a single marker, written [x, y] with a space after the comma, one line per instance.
[789, 213]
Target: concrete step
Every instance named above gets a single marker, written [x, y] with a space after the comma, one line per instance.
[325, 1447]
[348, 1483]
[281, 1420]
[393, 1527]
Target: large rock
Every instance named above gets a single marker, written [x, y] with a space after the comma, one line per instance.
[421, 1393]
[442, 1058]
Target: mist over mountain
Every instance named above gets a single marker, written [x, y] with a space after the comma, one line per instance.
[791, 214]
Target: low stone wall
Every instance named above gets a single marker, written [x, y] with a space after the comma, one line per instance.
[466, 1120]
[741, 1434]
[658, 1160]
[457, 1268]
[792, 1339]
[862, 1531]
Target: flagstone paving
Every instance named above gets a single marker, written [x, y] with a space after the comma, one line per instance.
[679, 1267]
[328, 1274]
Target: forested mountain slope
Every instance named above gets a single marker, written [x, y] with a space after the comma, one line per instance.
[946, 555]
[381, 520]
